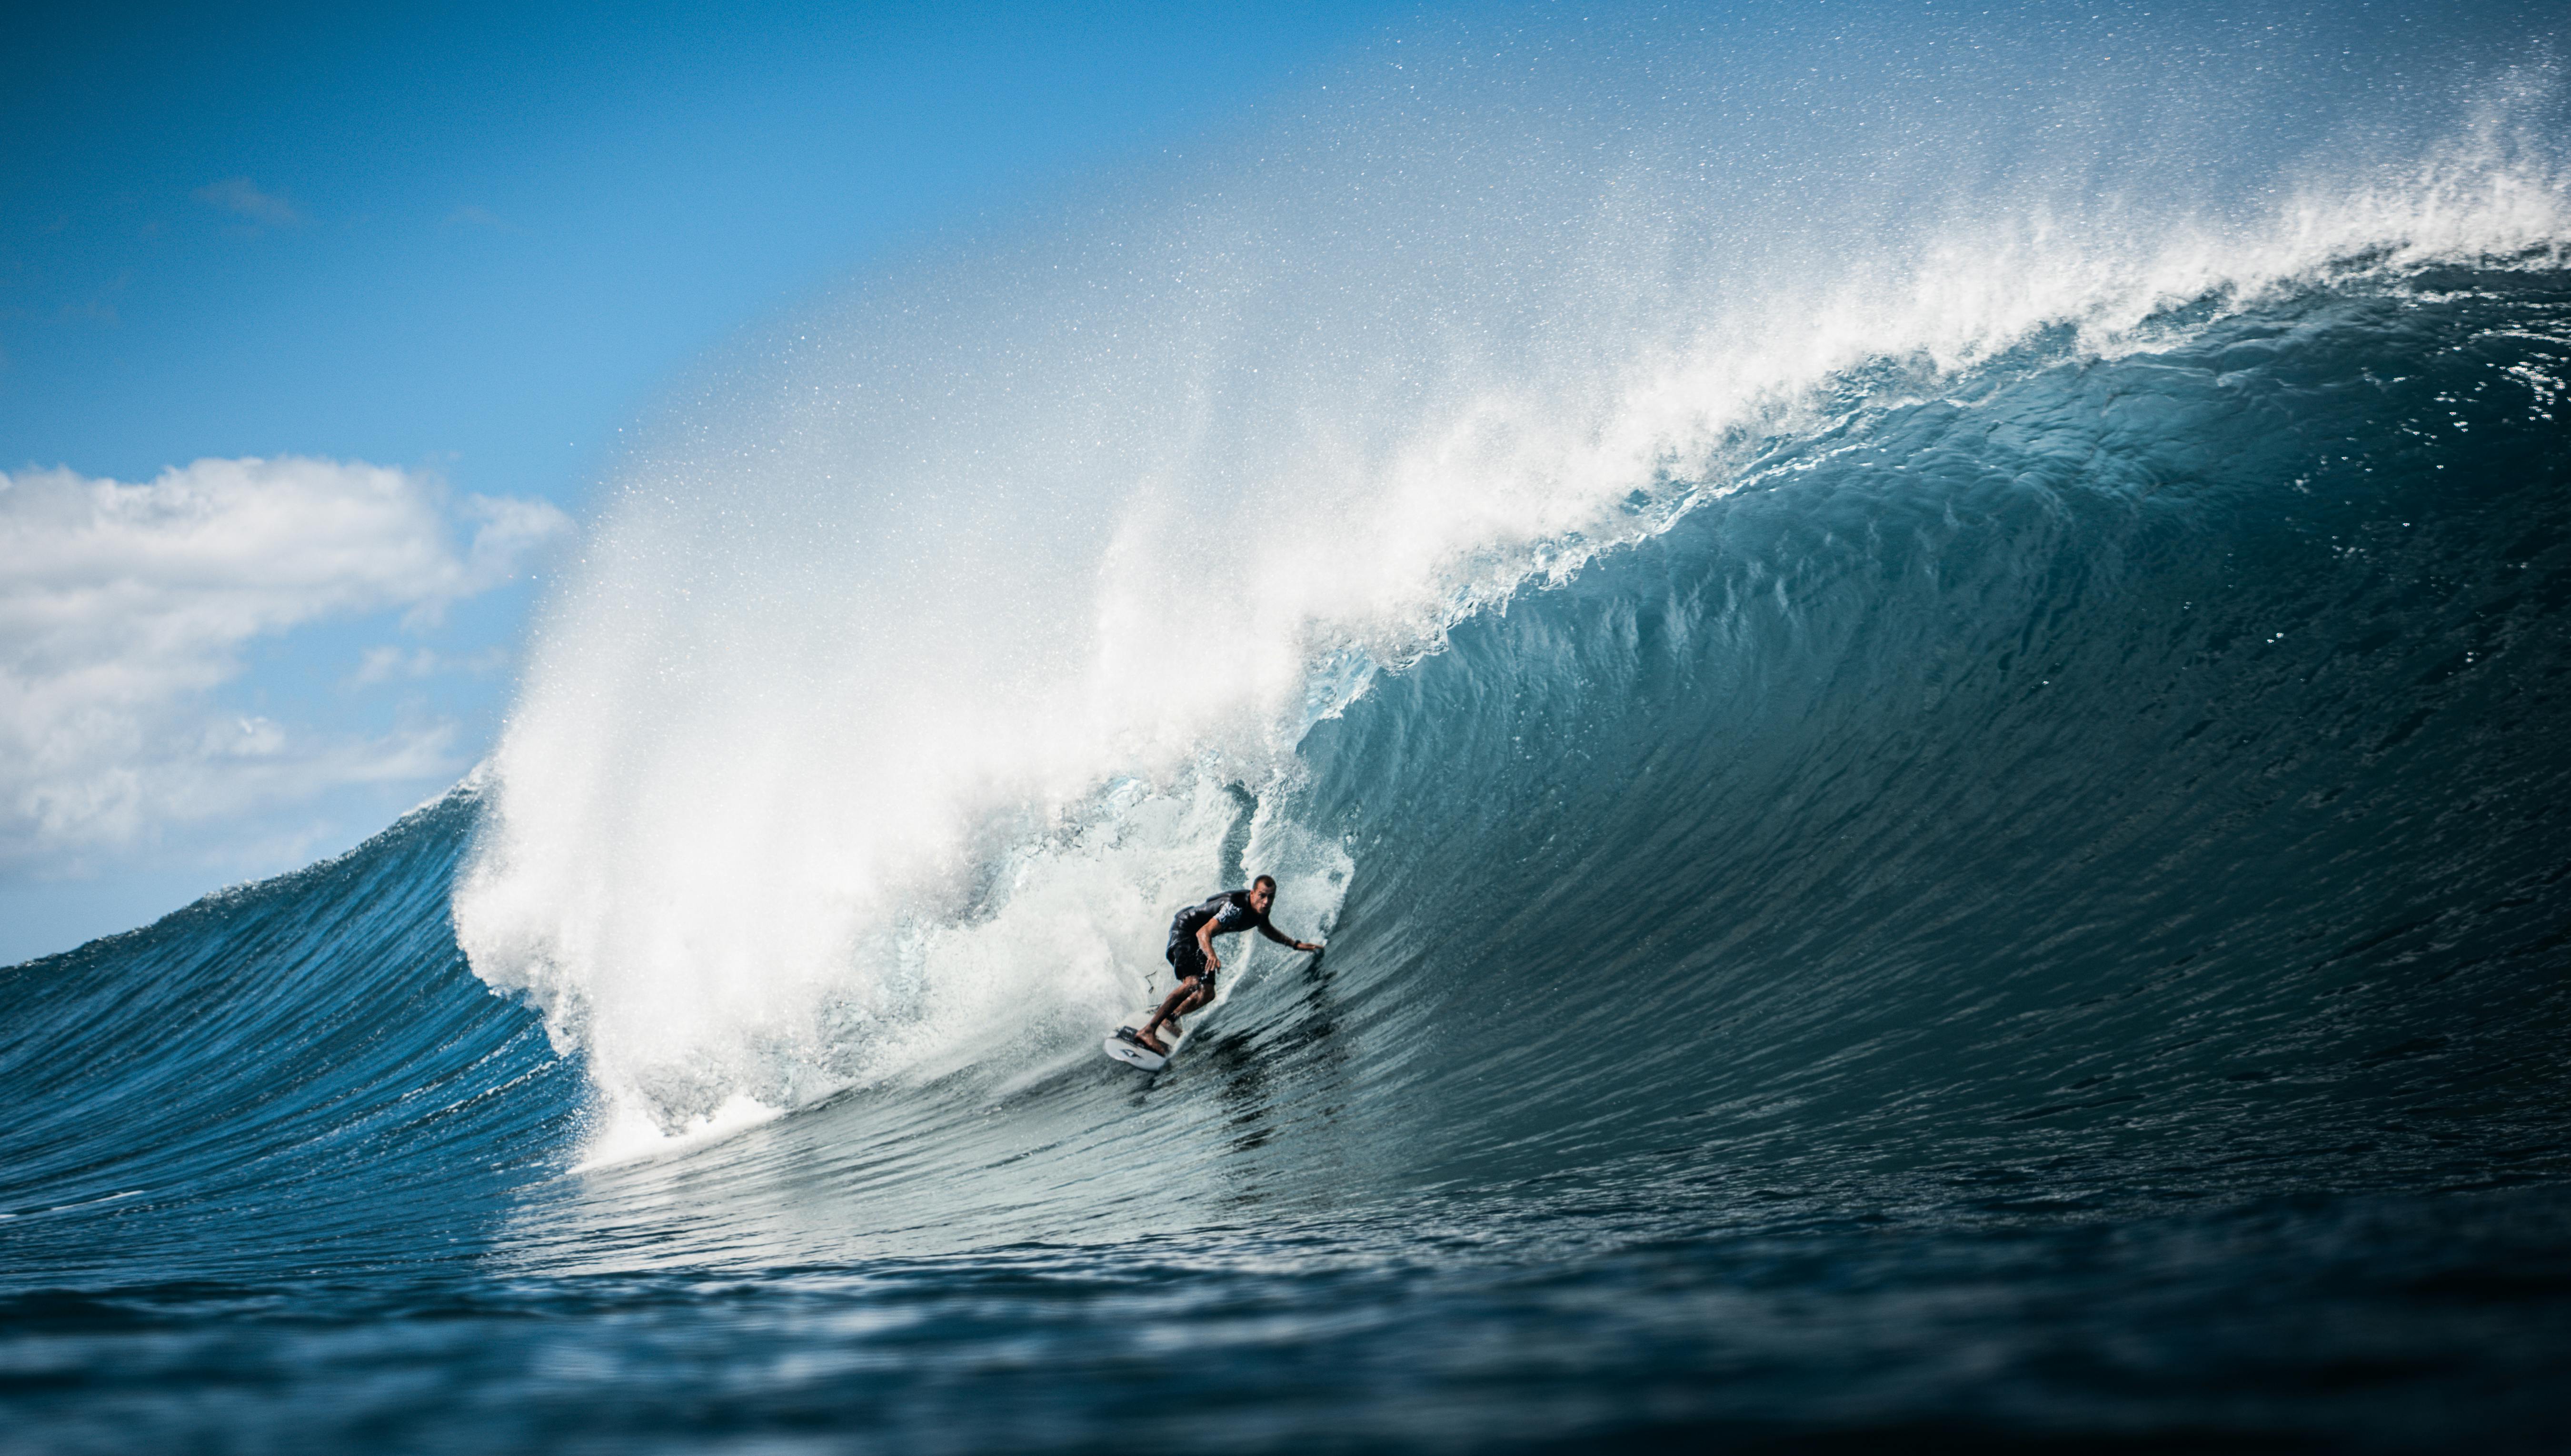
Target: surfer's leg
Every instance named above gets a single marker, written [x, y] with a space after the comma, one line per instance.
[1189, 964]
[1203, 998]
[1169, 1009]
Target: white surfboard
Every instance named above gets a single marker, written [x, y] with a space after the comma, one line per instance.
[1134, 1053]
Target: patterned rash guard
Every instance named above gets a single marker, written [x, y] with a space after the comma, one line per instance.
[1230, 913]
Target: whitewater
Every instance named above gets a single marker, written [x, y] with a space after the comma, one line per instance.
[1917, 666]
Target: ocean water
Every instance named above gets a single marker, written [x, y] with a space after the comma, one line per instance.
[1944, 832]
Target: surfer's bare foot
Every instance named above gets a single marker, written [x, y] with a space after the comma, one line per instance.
[1151, 1043]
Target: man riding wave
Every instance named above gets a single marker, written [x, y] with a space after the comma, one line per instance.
[1191, 954]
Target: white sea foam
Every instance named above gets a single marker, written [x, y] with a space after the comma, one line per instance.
[890, 713]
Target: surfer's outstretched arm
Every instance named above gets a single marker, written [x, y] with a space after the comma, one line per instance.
[1281, 938]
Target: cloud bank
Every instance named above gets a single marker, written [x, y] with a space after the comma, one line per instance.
[123, 607]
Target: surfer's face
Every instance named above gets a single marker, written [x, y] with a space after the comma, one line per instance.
[1261, 897]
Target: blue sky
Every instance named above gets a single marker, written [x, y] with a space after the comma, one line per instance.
[425, 265]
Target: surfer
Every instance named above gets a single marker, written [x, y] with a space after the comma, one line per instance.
[1191, 955]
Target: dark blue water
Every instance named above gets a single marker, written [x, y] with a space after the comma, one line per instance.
[2039, 917]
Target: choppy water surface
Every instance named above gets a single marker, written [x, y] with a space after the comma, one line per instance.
[2009, 894]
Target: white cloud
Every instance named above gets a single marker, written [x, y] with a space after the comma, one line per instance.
[122, 607]
[240, 195]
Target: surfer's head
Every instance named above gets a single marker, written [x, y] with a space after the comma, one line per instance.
[1262, 894]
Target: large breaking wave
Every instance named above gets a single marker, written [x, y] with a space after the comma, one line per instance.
[1989, 618]
[1918, 672]
[2145, 767]
[914, 674]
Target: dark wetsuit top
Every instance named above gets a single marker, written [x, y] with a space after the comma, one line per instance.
[1230, 912]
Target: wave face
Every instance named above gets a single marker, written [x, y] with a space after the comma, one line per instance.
[1953, 833]
[298, 1071]
[2134, 760]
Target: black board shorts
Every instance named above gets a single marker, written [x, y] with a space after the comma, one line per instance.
[1187, 960]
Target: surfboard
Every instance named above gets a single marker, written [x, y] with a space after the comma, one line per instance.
[1134, 1053]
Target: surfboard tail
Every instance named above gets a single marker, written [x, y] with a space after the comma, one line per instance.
[1126, 1046]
